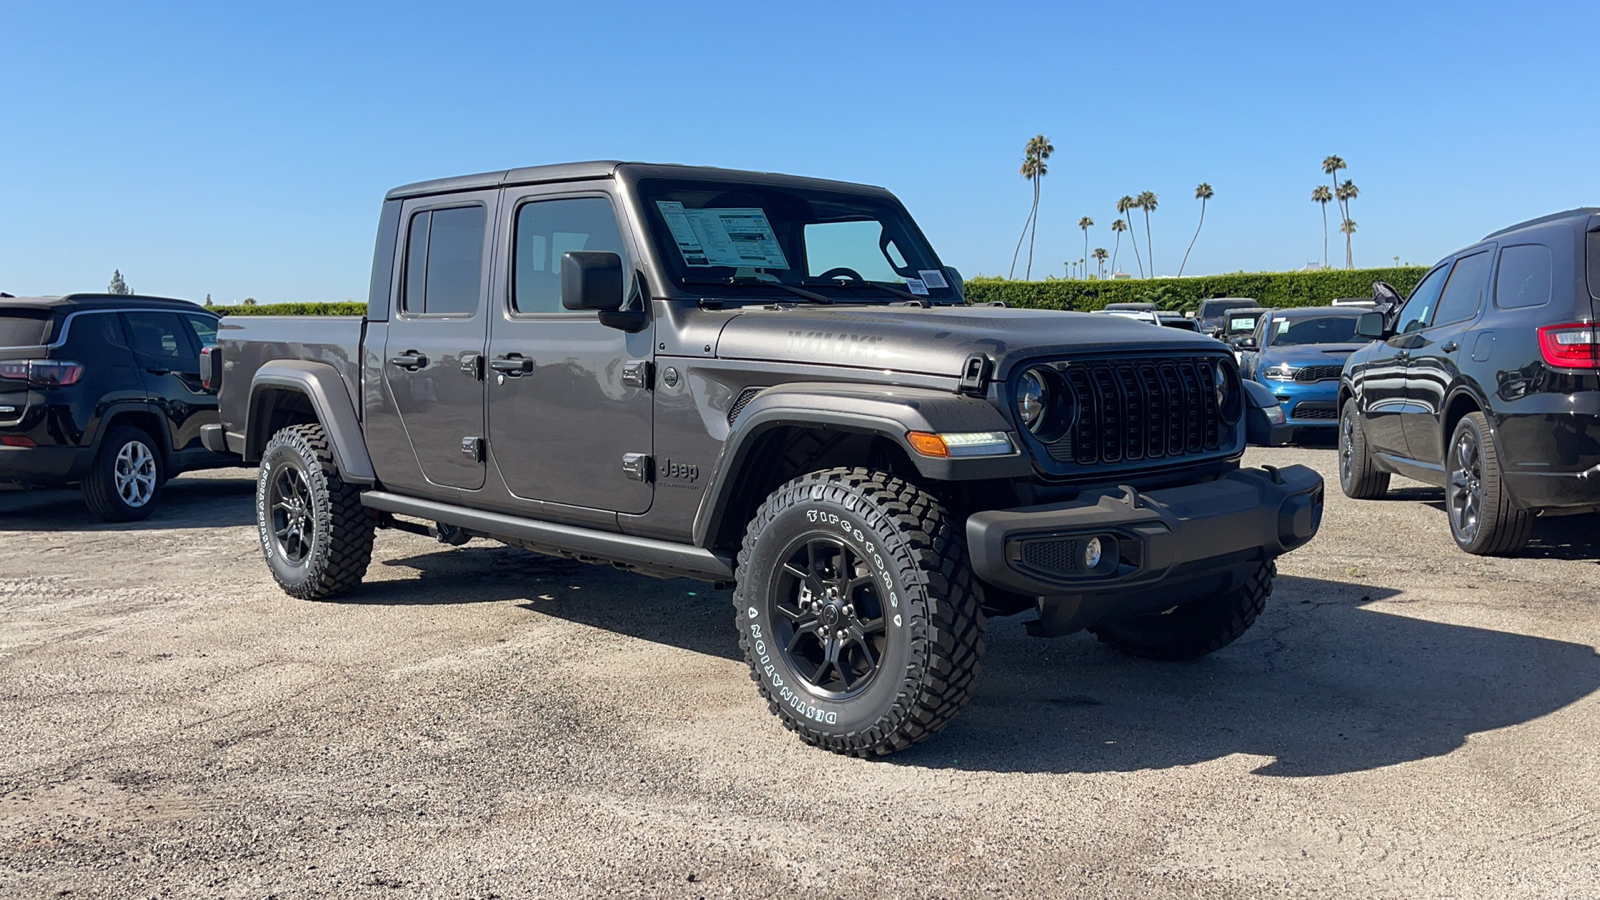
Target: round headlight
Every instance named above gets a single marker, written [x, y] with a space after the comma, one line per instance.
[1091, 554]
[1230, 400]
[1033, 400]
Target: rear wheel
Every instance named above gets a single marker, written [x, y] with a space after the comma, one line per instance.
[1358, 477]
[858, 612]
[1483, 520]
[1194, 628]
[125, 480]
[315, 534]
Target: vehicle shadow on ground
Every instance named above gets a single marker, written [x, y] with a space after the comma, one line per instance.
[184, 503]
[676, 612]
[1559, 537]
[1322, 685]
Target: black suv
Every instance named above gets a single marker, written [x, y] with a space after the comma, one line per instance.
[104, 390]
[1486, 382]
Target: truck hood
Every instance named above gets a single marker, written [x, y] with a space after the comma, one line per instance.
[938, 340]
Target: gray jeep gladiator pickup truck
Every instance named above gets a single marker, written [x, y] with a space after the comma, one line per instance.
[769, 382]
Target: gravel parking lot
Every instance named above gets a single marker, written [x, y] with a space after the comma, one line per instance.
[1403, 721]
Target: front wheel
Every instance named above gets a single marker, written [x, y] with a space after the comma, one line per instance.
[1483, 520]
[315, 534]
[1197, 627]
[858, 612]
[1358, 477]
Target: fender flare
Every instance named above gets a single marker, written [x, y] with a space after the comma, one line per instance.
[322, 385]
[888, 412]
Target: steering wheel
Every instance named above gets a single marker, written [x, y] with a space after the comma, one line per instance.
[842, 272]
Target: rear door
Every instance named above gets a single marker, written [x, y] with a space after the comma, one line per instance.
[165, 349]
[433, 358]
[1435, 351]
[570, 407]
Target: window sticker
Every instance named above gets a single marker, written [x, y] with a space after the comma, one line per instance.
[933, 278]
[917, 286]
[723, 237]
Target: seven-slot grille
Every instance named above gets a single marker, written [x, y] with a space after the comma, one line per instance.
[1132, 410]
[1318, 373]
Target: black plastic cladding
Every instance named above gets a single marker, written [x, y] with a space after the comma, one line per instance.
[1131, 413]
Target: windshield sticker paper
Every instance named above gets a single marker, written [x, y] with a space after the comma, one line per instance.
[723, 237]
[916, 286]
[933, 278]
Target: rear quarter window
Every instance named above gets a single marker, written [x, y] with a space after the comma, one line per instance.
[1525, 274]
[1594, 264]
[23, 327]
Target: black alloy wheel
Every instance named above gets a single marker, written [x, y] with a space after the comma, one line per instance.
[1465, 495]
[1484, 519]
[289, 506]
[828, 617]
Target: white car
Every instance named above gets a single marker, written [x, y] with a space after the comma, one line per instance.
[1139, 315]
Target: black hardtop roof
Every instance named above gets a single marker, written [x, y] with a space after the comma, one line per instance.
[581, 171]
[98, 301]
[1584, 218]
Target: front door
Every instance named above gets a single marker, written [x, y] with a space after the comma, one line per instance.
[1434, 357]
[433, 358]
[1380, 381]
[569, 398]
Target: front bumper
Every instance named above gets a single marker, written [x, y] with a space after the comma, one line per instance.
[1166, 537]
[1312, 404]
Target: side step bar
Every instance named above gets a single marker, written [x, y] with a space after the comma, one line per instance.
[646, 555]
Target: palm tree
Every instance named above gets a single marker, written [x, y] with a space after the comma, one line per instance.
[1118, 227]
[1347, 192]
[1322, 195]
[1347, 229]
[1125, 207]
[1202, 193]
[1033, 170]
[1100, 255]
[1086, 223]
[1331, 166]
[1147, 202]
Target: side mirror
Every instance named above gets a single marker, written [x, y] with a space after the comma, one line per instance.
[1370, 326]
[1265, 423]
[1247, 343]
[591, 280]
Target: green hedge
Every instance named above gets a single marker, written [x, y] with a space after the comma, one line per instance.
[294, 309]
[1184, 294]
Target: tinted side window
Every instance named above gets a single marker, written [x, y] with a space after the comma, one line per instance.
[1524, 276]
[545, 230]
[157, 335]
[1418, 310]
[444, 261]
[204, 328]
[1463, 295]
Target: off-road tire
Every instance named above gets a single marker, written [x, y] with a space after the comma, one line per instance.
[1197, 627]
[1502, 527]
[340, 546]
[933, 638]
[1358, 477]
[101, 489]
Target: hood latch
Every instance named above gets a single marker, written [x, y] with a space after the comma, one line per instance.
[975, 374]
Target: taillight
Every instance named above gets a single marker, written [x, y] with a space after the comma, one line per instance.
[1570, 346]
[211, 368]
[42, 372]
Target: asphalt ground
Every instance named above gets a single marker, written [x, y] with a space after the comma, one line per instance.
[1403, 721]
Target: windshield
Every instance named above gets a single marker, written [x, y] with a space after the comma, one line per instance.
[1242, 323]
[838, 244]
[1324, 330]
[1212, 308]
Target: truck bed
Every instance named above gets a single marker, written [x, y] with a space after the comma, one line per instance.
[248, 342]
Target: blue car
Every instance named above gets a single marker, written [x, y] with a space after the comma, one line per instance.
[1298, 354]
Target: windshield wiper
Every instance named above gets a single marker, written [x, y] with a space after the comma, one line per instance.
[837, 282]
[751, 281]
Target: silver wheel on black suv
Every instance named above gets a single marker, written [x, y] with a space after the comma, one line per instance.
[126, 478]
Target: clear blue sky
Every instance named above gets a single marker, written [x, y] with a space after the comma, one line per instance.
[242, 149]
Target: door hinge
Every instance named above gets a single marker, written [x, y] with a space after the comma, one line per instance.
[636, 466]
[472, 448]
[637, 373]
[472, 365]
[975, 374]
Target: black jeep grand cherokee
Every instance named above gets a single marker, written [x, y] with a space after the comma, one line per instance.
[104, 390]
[1486, 382]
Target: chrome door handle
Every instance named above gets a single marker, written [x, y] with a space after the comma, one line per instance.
[1450, 347]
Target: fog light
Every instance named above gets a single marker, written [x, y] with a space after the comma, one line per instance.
[1091, 554]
